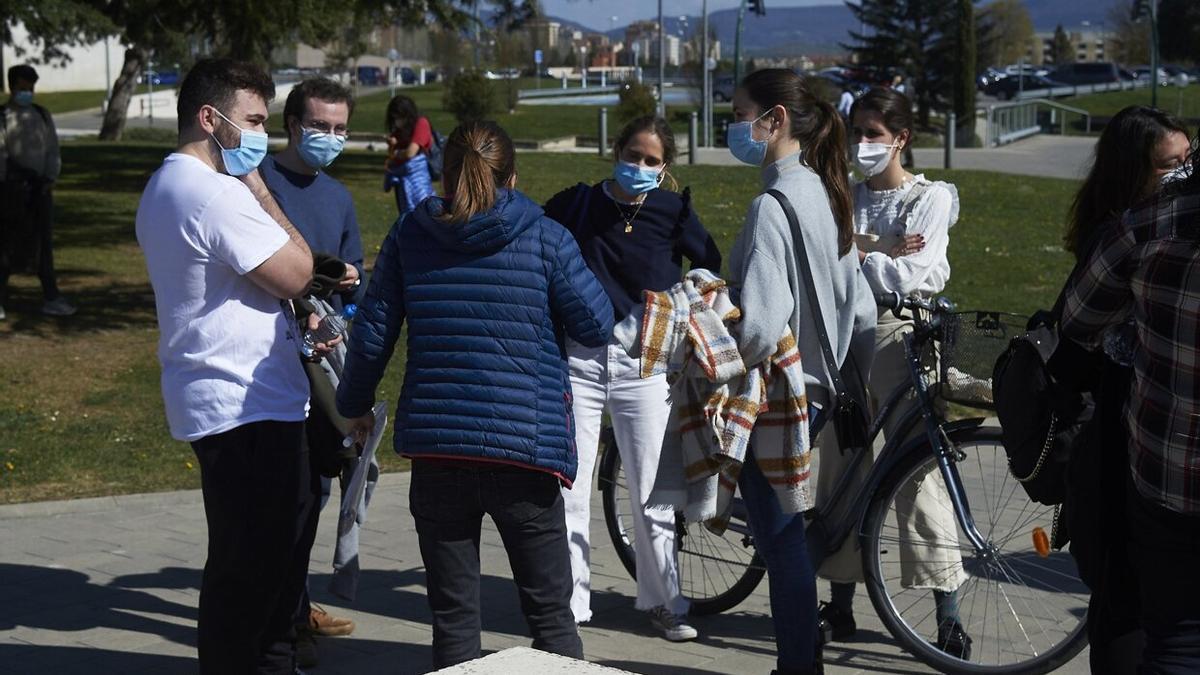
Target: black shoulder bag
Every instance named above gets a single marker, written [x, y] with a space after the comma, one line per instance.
[849, 413]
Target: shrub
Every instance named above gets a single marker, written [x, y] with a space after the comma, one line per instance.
[154, 134]
[469, 96]
[637, 100]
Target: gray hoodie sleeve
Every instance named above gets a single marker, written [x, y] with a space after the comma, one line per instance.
[765, 294]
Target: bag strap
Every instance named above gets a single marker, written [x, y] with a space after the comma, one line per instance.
[839, 389]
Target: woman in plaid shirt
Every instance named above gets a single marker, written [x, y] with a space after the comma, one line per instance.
[1148, 268]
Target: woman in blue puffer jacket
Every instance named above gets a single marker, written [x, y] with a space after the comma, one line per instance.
[490, 288]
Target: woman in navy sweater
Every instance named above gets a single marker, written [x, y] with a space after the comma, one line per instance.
[634, 236]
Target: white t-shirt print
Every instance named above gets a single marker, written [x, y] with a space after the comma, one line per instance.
[228, 348]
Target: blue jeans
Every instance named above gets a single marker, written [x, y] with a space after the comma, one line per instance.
[779, 538]
[448, 500]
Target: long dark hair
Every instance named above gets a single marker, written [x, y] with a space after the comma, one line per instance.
[478, 159]
[895, 109]
[1120, 172]
[658, 127]
[401, 117]
[818, 127]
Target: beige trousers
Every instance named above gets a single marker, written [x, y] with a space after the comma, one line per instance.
[929, 555]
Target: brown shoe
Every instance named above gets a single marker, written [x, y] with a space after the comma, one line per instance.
[325, 624]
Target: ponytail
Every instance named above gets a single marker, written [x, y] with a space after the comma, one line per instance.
[826, 154]
[822, 136]
[479, 160]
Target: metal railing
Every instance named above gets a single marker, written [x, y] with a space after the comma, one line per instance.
[1008, 122]
[1078, 89]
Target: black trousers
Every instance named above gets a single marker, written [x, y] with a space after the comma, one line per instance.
[257, 500]
[448, 501]
[1164, 548]
[26, 235]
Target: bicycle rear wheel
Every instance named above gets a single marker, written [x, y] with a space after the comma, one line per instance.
[1024, 611]
[715, 573]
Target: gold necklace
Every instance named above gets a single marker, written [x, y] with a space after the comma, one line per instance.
[621, 210]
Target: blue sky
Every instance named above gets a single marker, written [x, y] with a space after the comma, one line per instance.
[597, 14]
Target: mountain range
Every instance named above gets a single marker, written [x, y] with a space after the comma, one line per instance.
[821, 29]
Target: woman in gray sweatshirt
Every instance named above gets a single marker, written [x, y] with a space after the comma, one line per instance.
[799, 141]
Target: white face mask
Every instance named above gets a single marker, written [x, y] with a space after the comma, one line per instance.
[872, 158]
[1181, 172]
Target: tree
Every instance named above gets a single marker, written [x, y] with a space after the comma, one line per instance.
[1130, 41]
[51, 25]
[914, 36]
[962, 82]
[1062, 50]
[1005, 32]
[470, 96]
[1179, 30]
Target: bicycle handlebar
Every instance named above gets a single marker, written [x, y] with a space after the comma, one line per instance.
[893, 301]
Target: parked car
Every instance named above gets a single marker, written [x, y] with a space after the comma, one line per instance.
[1006, 88]
[1086, 73]
[371, 76]
[1028, 69]
[722, 88]
[503, 74]
[160, 78]
[406, 75]
[1143, 73]
[988, 76]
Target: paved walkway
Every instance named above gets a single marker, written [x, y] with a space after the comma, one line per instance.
[1042, 155]
[110, 585]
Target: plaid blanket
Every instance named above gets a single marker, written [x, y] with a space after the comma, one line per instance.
[720, 406]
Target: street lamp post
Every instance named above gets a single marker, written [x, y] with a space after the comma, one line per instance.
[662, 63]
[706, 89]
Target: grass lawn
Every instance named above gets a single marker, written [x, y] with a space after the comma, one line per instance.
[80, 407]
[1184, 102]
[527, 123]
[67, 101]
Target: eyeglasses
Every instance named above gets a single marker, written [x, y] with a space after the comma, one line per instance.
[319, 127]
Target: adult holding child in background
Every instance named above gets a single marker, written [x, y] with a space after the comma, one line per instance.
[903, 226]
[409, 140]
[489, 287]
[634, 235]
[799, 142]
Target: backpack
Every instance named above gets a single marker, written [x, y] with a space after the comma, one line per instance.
[1043, 414]
[436, 154]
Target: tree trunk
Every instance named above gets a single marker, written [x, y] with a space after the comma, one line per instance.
[964, 75]
[118, 103]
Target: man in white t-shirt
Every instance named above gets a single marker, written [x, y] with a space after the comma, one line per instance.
[224, 261]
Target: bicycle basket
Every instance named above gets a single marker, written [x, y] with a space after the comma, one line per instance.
[971, 343]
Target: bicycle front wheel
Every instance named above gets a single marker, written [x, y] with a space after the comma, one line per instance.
[1024, 609]
[716, 573]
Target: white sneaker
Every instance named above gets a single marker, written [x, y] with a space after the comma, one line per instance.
[673, 626]
[58, 307]
[3, 316]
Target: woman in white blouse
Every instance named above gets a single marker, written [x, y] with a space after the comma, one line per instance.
[903, 226]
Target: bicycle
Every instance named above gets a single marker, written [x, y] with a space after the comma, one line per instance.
[1023, 604]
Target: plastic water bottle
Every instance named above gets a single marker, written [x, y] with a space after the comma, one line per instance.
[331, 326]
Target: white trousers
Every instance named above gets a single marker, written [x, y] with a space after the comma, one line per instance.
[605, 378]
[928, 531]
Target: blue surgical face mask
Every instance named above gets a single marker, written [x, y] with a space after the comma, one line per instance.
[252, 148]
[319, 149]
[23, 99]
[636, 179]
[742, 145]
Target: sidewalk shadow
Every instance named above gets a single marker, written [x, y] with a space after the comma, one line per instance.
[66, 601]
[400, 594]
[88, 660]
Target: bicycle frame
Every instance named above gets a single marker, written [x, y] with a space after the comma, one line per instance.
[825, 535]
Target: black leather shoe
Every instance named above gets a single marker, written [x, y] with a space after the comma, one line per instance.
[835, 623]
[953, 640]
